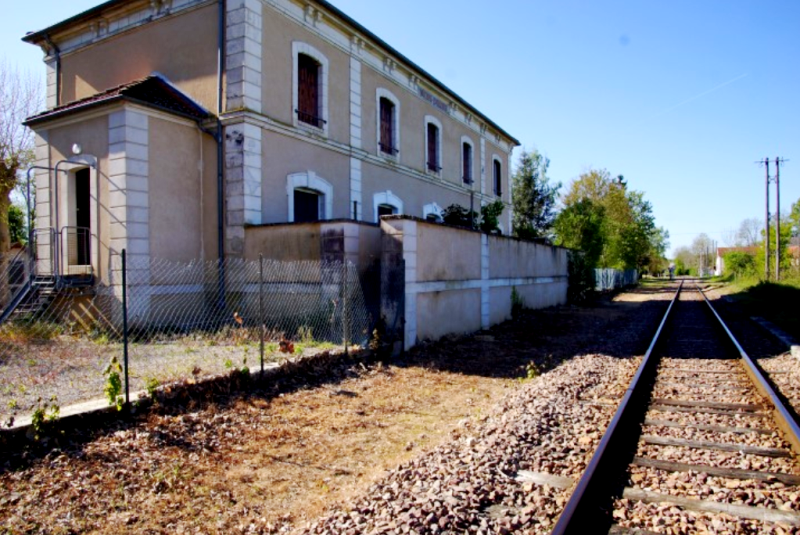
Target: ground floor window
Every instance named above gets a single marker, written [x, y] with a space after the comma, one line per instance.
[386, 209]
[307, 205]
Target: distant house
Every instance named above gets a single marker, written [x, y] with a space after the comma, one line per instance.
[174, 127]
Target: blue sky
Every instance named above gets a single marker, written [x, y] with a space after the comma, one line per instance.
[680, 97]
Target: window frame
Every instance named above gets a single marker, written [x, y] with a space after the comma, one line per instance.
[383, 93]
[310, 181]
[497, 177]
[301, 48]
[467, 141]
[433, 168]
[433, 209]
[386, 198]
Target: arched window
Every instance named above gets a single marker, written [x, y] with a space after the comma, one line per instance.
[310, 197]
[432, 212]
[467, 159]
[497, 175]
[388, 123]
[386, 203]
[433, 145]
[310, 83]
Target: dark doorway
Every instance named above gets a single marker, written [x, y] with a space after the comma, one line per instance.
[386, 209]
[83, 216]
[306, 206]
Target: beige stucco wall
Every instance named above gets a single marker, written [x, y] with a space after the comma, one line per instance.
[517, 258]
[288, 243]
[447, 254]
[177, 186]
[414, 192]
[448, 312]
[182, 48]
[292, 242]
[284, 155]
[277, 76]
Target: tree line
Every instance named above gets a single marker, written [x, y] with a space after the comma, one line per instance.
[598, 214]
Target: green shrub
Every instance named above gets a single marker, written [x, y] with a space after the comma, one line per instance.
[739, 263]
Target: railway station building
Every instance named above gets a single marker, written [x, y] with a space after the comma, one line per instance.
[180, 127]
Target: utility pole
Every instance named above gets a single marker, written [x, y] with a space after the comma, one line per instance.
[778, 162]
[766, 222]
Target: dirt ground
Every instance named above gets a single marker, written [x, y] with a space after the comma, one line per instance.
[274, 459]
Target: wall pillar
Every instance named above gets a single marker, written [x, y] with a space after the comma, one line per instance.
[243, 186]
[485, 286]
[129, 208]
[356, 197]
[243, 54]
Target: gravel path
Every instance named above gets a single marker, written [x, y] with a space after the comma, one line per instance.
[472, 484]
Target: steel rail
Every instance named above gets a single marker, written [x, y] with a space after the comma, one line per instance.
[782, 416]
[578, 517]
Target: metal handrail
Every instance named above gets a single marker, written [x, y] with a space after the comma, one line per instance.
[388, 149]
[311, 119]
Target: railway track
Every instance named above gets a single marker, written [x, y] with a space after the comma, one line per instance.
[700, 443]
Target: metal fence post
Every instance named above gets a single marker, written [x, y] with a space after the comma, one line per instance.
[345, 322]
[261, 323]
[125, 326]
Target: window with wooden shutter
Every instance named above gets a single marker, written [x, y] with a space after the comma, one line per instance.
[433, 148]
[308, 90]
[466, 162]
[387, 127]
[498, 178]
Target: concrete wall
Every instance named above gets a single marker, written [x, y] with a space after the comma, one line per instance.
[332, 241]
[458, 280]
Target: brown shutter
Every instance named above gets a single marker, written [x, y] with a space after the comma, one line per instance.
[498, 179]
[308, 90]
[387, 132]
[467, 157]
[433, 159]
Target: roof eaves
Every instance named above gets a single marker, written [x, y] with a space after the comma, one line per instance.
[349, 20]
[41, 35]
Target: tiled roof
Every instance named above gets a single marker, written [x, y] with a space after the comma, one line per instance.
[152, 91]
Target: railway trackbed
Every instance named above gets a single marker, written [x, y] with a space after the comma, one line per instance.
[701, 443]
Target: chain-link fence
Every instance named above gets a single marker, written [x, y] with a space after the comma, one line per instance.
[169, 321]
[611, 279]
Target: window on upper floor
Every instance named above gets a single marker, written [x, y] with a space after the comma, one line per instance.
[388, 123]
[308, 101]
[433, 145]
[310, 83]
[466, 162]
[388, 128]
[498, 176]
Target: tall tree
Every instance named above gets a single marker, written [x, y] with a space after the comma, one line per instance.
[19, 99]
[703, 253]
[749, 233]
[627, 228]
[580, 226]
[533, 198]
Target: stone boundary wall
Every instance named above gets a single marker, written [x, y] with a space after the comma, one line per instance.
[457, 280]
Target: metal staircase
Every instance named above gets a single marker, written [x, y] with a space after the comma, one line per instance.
[34, 278]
